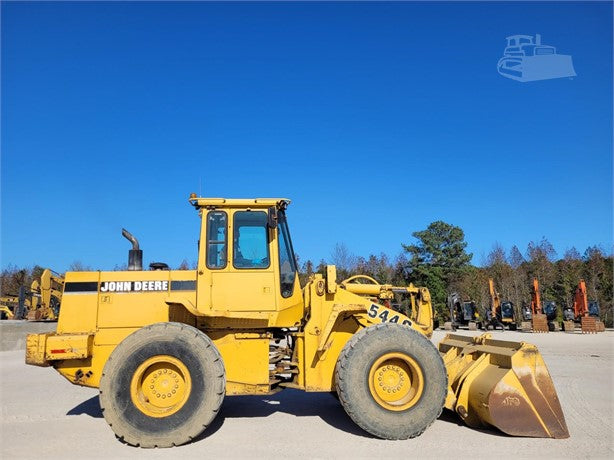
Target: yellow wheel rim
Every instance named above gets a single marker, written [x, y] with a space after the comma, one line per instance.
[396, 381]
[160, 386]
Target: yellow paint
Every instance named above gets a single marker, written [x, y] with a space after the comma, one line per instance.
[7, 311]
[396, 381]
[35, 349]
[68, 346]
[480, 368]
[160, 386]
[79, 309]
[246, 360]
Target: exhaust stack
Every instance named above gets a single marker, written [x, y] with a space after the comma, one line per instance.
[135, 255]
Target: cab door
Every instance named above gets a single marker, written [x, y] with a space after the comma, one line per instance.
[247, 282]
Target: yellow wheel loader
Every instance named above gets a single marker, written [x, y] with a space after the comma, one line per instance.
[166, 346]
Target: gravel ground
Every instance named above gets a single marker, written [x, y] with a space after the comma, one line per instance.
[44, 416]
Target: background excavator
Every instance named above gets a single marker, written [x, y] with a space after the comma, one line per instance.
[499, 314]
[542, 316]
[39, 303]
[584, 311]
[46, 297]
[463, 313]
[538, 321]
[16, 306]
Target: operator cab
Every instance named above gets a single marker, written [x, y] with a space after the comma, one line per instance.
[550, 310]
[469, 311]
[507, 310]
[593, 308]
[247, 263]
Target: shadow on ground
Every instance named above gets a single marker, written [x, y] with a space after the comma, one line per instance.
[293, 402]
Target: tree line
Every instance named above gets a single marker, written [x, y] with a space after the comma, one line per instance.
[438, 260]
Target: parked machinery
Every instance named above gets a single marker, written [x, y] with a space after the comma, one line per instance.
[46, 297]
[584, 312]
[5, 311]
[551, 311]
[527, 316]
[499, 314]
[166, 346]
[16, 306]
[463, 313]
[39, 303]
[538, 321]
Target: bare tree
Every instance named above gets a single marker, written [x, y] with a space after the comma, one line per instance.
[78, 266]
[344, 260]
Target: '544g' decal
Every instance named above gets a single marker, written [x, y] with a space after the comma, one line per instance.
[386, 315]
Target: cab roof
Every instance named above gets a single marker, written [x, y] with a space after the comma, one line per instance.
[202, 202]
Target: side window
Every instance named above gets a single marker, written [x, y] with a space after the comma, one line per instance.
[217, 242]
[287, 262]
[250, 238]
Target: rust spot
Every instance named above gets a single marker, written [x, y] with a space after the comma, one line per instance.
[514, 414]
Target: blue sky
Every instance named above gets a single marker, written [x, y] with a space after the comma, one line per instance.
[375, 119]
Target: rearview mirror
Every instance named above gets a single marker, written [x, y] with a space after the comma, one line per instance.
[272, 217]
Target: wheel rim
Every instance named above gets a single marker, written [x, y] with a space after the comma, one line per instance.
[160, 386]
[396, 381]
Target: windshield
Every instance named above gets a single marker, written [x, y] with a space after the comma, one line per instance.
[507, 310]
[251, 246]
[287, 261]
[593, 308]
[468, 311]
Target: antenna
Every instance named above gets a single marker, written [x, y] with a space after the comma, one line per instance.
[200, 186]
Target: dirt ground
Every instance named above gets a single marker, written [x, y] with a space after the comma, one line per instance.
[44, 416]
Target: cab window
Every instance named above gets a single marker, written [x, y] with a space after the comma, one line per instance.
[287, 262]
[217, 243]
[250, 238]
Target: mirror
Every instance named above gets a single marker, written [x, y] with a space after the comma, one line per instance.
[272, 217]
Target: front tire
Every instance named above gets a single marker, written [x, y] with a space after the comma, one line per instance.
[391, 381]
[162, 385]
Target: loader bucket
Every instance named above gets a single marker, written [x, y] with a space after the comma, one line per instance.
[501, 384]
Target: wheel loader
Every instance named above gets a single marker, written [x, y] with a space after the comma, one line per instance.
[165, 347]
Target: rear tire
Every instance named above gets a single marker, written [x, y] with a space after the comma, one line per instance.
[162, 385]
[391, 381]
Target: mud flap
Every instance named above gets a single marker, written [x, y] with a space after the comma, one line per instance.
[501, 384]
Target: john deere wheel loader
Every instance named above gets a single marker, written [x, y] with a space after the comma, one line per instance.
[165, 347]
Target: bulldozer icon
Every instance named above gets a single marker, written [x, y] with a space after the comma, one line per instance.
[526, 59]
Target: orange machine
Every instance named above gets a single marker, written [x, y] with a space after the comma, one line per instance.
[539, 322]
[501, 314]
[587, 313]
